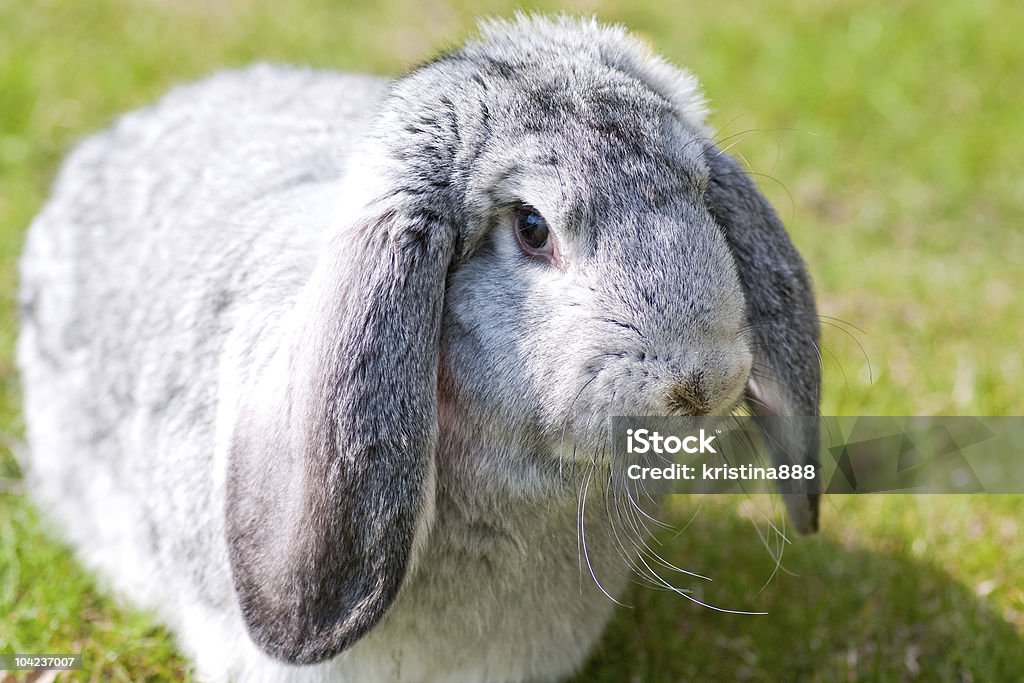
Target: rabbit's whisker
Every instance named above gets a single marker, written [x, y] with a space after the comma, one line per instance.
[583, 539]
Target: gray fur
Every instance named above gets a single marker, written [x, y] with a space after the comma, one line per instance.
[289, 382]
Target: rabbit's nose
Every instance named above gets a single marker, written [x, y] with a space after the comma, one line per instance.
[689, 395]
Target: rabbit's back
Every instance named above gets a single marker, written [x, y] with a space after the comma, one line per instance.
[162, 233]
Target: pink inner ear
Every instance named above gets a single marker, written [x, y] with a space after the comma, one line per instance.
[765, 398]
[789, 443]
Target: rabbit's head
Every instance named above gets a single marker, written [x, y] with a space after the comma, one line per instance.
[540, 234]
[591, 279]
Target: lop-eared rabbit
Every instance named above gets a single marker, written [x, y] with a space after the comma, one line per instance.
[315, 364]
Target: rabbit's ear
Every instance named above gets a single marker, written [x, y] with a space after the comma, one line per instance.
[330, 486]
[786, 375]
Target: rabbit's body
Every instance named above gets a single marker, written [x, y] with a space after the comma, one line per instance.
[290, 382]
[121, 344]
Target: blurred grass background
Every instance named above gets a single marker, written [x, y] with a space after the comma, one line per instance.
[891, 139]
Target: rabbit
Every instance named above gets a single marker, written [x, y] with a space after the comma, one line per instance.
[318, 367]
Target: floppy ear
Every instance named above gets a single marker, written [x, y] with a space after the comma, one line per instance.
[331, 464]
[786, 377]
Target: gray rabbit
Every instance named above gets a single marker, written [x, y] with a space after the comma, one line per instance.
[315, 364]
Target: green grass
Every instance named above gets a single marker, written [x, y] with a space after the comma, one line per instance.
[890, 139]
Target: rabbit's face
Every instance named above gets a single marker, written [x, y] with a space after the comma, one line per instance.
[591, 279]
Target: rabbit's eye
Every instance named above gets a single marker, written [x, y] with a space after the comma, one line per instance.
[532, 233]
